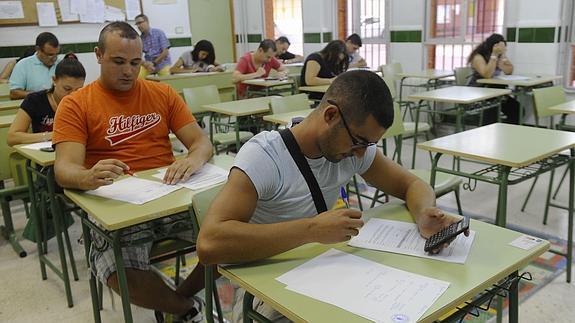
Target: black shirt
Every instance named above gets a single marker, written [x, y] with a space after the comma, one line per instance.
[324, 72]
[37, 106]
[285, 56]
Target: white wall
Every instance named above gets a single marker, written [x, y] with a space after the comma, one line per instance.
[177, 25]
[319, 16]
[407, 15]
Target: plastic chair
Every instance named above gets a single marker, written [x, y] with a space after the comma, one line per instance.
[462, 75]
[444, 183]
[543, 100]
[200, 205]
[289, 103]
[195, 98]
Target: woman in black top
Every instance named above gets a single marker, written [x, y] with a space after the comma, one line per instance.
[38, 108]
[488, 60]
[322, 67]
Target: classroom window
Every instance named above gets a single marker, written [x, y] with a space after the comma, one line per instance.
[457, 26]
[367, 19]
[288, 22]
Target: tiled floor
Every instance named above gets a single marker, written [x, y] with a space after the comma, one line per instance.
[24, 297]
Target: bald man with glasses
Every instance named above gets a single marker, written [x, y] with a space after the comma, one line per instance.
[273, 209]
[34, 73]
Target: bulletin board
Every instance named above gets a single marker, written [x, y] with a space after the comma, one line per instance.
[31, 16]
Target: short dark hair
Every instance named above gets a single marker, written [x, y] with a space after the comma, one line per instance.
[331, 55]
[486, 47]
[354, 39]
[123, 29]
[266, 44]
[360, 94]
[283, 40]
[207, 46]
[141, 16]
[47, 38]
[70, 67]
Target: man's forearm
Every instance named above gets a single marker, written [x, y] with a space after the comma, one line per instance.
[17, 94]
[419, 196]
[70, 175]
[200, 152]
[160, 58]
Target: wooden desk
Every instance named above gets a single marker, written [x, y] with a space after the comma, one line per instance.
[10, 106]
[314, 89]
[263, 87]
[5, 150]
[566, 109]
[283, 119]
[109, 217]
[432, 79]
[6, 121]
[223, 81]
[238, 109]
[521, 88]
[515, 154]
[4, 91]
[491, 259]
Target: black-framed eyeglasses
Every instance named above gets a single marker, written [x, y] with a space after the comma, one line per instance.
[355, 142]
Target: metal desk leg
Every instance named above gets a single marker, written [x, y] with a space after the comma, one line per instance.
[34, 217]
[248, 307]
[93, 289]
[434, 169]
[122, 279]
[513, 301]
[570, 214]
[415, 137]
[501, 218]
[237, 128]
[8, 228]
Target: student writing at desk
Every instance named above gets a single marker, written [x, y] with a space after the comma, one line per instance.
[353, 43]
[273, 210]
[201, 59]
[38, 108]
[282, 54]
[257, 64]
[322, 67]
[129, 132]
[488, 60]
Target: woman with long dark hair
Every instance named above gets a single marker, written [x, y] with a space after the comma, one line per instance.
[489, 60]
[201, 59]
[321, 68]
[38, 108]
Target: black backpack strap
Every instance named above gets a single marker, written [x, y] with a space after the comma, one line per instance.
[304, 168]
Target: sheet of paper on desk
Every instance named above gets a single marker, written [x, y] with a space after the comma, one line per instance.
[207, 176]
[38, 145]
[134, 190]
[371, 290]
[404, 238]
[512, 77]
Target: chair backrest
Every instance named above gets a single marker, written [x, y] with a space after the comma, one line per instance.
[396, 127]
[546, 97]
[462, 75]
[196, 97]
[289, 103]
[201, 202]
[392, 69]
[390, 85]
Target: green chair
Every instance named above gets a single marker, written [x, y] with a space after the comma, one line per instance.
[200, 204]
[409, 128]
[462, 75]
[543, 100]
[284, 104]
[444, 183]
[195, 98]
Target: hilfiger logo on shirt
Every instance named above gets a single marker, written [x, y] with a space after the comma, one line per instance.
[123, 127]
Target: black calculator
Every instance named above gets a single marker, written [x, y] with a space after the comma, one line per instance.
[446, 235]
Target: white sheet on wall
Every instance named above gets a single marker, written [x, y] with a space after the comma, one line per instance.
[95, 12]
[65, 12]
[79, 7]
[46, 14]
[114, 14]
[132, 9]
[11, 10]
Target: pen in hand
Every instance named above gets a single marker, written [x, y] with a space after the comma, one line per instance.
[344, 197]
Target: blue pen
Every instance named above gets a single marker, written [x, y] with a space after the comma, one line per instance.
[344, 197]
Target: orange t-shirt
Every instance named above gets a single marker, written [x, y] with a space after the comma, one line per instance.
[131, 126]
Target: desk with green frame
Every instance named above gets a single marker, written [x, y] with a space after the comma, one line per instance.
[513, 154]
[267, 87]
[240, 109]
[9, 107]
[491, 260]
[222, 80]
[567, 108]
[521, 87]
[43, 192]
[283, 119]
[4, 91]
[109, 218]
[433, 79]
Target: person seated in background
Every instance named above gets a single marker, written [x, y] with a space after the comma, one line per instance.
[282, 54]
[156, 49]
[322, 67]
[38, 108]
[489, 60]
[9, 67]
[34, 73]
[353, 43]
[257, 64]
[201, 59]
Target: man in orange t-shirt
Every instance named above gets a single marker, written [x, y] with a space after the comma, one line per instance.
[118, 124]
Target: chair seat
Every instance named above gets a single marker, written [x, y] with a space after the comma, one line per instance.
[444, 183]
[409, 128]
[228, 138]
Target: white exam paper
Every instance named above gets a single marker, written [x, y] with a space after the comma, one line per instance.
[206, 176]
[512, 77]
[526, 242]
[134, 190]
[404, 238]
[364, 287]
[38, 145]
